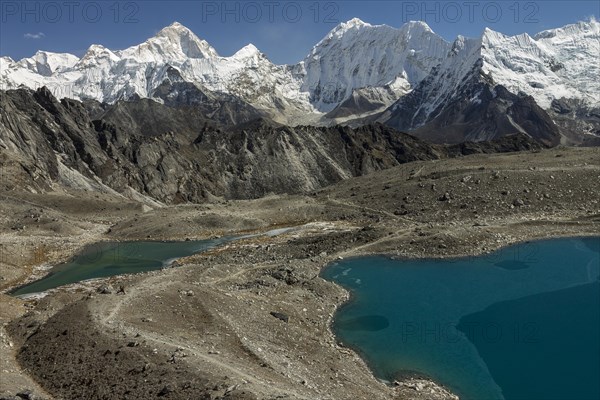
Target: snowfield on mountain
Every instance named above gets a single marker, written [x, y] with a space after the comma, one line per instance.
[357, 70]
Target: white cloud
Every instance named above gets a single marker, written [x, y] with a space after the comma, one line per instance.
[36, 36]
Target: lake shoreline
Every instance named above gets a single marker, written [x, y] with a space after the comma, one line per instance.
[43, 271]
[401, 384]
[241, 284]
[352, 295]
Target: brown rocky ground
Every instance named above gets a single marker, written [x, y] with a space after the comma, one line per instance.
[205, 330]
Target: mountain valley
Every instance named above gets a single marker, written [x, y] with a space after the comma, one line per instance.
[381, 140]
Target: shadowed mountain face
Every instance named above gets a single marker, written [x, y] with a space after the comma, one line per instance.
[578, 122]
[143, 148]
[477, 110]
[223, 108]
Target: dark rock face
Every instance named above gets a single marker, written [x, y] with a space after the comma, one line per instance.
[579, 124]
[178, 155]
[219, 107]
[280, 316]
[479, 111]
[504, 144]
[362, 101]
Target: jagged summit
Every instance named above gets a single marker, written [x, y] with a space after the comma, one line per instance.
[174, 27]
[590, 27]
[46, 63]
[176, 32]
[343, 29]
[97, 50]
[97, 57]
[356, 55]
[490, 33]
[491, 38]
[357, 26]
[360, 67]
[247, 51]
[531, 75]
[172, 42]
[353, 24]
[416, 25]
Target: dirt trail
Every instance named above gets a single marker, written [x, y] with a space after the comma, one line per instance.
[223, 301]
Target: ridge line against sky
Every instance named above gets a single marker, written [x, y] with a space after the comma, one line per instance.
[285, 31]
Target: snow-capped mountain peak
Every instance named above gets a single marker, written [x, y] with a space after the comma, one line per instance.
[190, 44]
[343, 29]
[176, 33]
[369, 64]
[497, 84]
[557, 63]
[175, 28]
[248, 51]
[491, 39]
[416, 26]
[172, 43]
[97, 54]
[356, 54]
[581, 28]
[491, 36]
[46, 63]
[353, 24]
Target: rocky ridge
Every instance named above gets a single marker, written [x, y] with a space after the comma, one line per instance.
[150, 152]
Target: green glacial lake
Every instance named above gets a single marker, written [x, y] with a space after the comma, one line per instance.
[522, 323]
[106, 259]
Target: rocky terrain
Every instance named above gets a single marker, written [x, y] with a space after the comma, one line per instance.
[250, 320]
[153, 153]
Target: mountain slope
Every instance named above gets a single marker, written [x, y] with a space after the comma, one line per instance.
[553, 64]
[139, 71]
[356, 72]
[175, 155]
[356, 55]
[146, 150]
[294, 93]
[497, 85]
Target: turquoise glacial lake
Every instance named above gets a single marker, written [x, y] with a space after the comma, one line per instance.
[106, 259]
[522, 323]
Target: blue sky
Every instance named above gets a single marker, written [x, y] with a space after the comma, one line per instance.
[284, 30]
